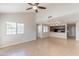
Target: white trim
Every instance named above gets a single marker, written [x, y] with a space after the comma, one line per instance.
[15, 43]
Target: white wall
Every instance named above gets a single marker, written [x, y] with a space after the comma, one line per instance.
[77, 31]
[29, 28]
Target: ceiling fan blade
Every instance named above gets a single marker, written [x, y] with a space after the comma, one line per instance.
[30, 4]
[40, 7]
[36, 11]
[36, 3]
[29, 8]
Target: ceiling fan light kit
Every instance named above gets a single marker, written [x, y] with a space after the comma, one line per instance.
[35, 7]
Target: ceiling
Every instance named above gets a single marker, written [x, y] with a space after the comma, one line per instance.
[20, 7]
[61, 11]
[15, 7]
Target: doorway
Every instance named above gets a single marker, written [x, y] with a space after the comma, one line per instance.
[71, 31]
[42, 31]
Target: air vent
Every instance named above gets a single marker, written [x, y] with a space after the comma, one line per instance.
[50, 17]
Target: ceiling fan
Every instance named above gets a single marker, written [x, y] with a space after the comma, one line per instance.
[35, 7]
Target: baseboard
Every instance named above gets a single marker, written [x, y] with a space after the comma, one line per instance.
[15, 43]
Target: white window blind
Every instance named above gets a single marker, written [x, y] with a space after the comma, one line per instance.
[11, 27]
[14, 28]
[20, 28]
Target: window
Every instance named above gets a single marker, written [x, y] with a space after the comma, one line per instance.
[20, 28]
[14, 28]
[11, 27]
